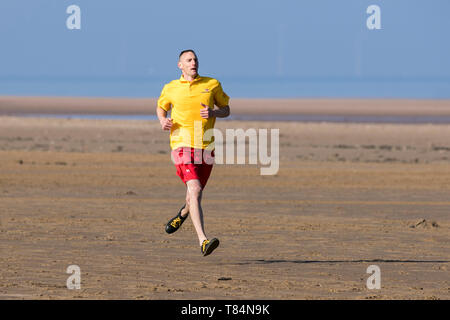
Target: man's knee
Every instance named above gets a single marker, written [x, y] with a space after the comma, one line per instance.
[195, 190]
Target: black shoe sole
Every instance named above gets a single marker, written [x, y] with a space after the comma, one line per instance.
[212, 245]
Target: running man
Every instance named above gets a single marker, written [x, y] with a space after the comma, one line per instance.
[192, 99]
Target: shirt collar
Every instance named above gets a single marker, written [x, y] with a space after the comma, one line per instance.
[197, 78]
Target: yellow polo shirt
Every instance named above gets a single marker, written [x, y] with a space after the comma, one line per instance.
[185, 99]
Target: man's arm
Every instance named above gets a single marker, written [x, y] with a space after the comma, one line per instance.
[166, 123]
[222, 112]
[207, 112]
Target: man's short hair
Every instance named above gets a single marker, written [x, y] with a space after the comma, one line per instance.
[184, 51]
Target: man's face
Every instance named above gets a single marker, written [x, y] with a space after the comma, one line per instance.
[188, 64]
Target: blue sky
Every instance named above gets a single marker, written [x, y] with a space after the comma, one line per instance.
[240, 42]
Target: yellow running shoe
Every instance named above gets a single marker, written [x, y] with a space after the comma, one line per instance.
[208, 246]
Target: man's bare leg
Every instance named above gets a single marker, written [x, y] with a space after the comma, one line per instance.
[185, 210]
[194, 188]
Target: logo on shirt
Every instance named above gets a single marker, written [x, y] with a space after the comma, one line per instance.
[206, 91]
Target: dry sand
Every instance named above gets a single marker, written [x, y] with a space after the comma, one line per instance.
[13, 105]
[97, 194]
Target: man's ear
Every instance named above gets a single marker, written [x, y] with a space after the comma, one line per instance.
[179, 65]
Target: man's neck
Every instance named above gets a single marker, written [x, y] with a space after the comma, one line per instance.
[189, 78]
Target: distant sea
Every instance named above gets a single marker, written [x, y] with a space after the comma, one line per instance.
[269, 117]
[275, 87]
[140, 87]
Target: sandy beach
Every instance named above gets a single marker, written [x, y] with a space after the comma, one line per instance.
[15, 105]
[98, 193]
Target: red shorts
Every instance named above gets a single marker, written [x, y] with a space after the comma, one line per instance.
[193, 164]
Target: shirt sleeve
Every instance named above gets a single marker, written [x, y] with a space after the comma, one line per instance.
[220, 98]
[163, 101]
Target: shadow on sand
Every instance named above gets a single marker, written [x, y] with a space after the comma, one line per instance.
[263, 261]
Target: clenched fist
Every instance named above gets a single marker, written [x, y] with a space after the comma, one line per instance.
[166, 123]
[206, 112]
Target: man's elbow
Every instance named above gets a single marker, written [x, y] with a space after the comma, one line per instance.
[228, 111]
[160, 110]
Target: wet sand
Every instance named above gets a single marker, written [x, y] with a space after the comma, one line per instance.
[97, 194]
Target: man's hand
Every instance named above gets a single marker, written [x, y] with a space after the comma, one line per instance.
[166, 123]
[206, 112]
